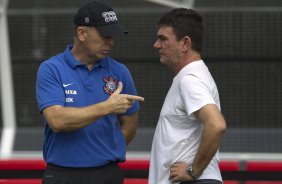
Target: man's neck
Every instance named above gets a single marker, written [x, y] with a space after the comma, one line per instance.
[185, 60]
[81, 56]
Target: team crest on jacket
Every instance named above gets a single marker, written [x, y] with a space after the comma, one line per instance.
[111, 85]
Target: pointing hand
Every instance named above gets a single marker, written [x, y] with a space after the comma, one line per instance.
[120, 103]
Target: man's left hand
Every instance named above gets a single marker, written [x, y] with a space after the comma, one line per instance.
[178, 172]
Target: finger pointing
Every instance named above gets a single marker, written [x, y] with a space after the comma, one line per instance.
[133, 97]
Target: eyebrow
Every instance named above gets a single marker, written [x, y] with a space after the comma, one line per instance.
[161, 36]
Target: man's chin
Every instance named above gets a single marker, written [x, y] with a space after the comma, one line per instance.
[101, 56]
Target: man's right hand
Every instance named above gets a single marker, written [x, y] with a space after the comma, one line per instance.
[120, 103]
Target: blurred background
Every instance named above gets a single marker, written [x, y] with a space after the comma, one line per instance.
[242, 48]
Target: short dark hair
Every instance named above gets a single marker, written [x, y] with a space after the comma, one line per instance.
[185, 22]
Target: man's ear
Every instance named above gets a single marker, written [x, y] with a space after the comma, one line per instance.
[81, 33]
[187, 43]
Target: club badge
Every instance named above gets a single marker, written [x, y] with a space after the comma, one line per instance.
[111, 85]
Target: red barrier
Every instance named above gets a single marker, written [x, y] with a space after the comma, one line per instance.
[38, 164]
[231, 182]
[135, 165]
[20, 181]
[135, 181]
[263, 182]
[263, 166]
[229, 165]
[17, 164]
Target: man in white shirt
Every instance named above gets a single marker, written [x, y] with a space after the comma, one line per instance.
[191, 126]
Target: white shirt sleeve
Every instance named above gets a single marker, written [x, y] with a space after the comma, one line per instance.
[195, 93]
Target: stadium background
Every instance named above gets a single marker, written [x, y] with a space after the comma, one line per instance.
[243, 49]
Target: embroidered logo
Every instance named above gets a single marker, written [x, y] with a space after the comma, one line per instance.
[66, 85]
[111, 85]
[86, 20]
[109, 16]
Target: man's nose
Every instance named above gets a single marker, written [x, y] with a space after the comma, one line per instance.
[156, 45]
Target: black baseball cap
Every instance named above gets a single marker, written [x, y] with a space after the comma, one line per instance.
[101, 16]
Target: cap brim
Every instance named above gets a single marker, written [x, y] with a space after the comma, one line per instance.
[112, 29]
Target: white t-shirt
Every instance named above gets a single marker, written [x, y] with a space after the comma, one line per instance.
[178, 132]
